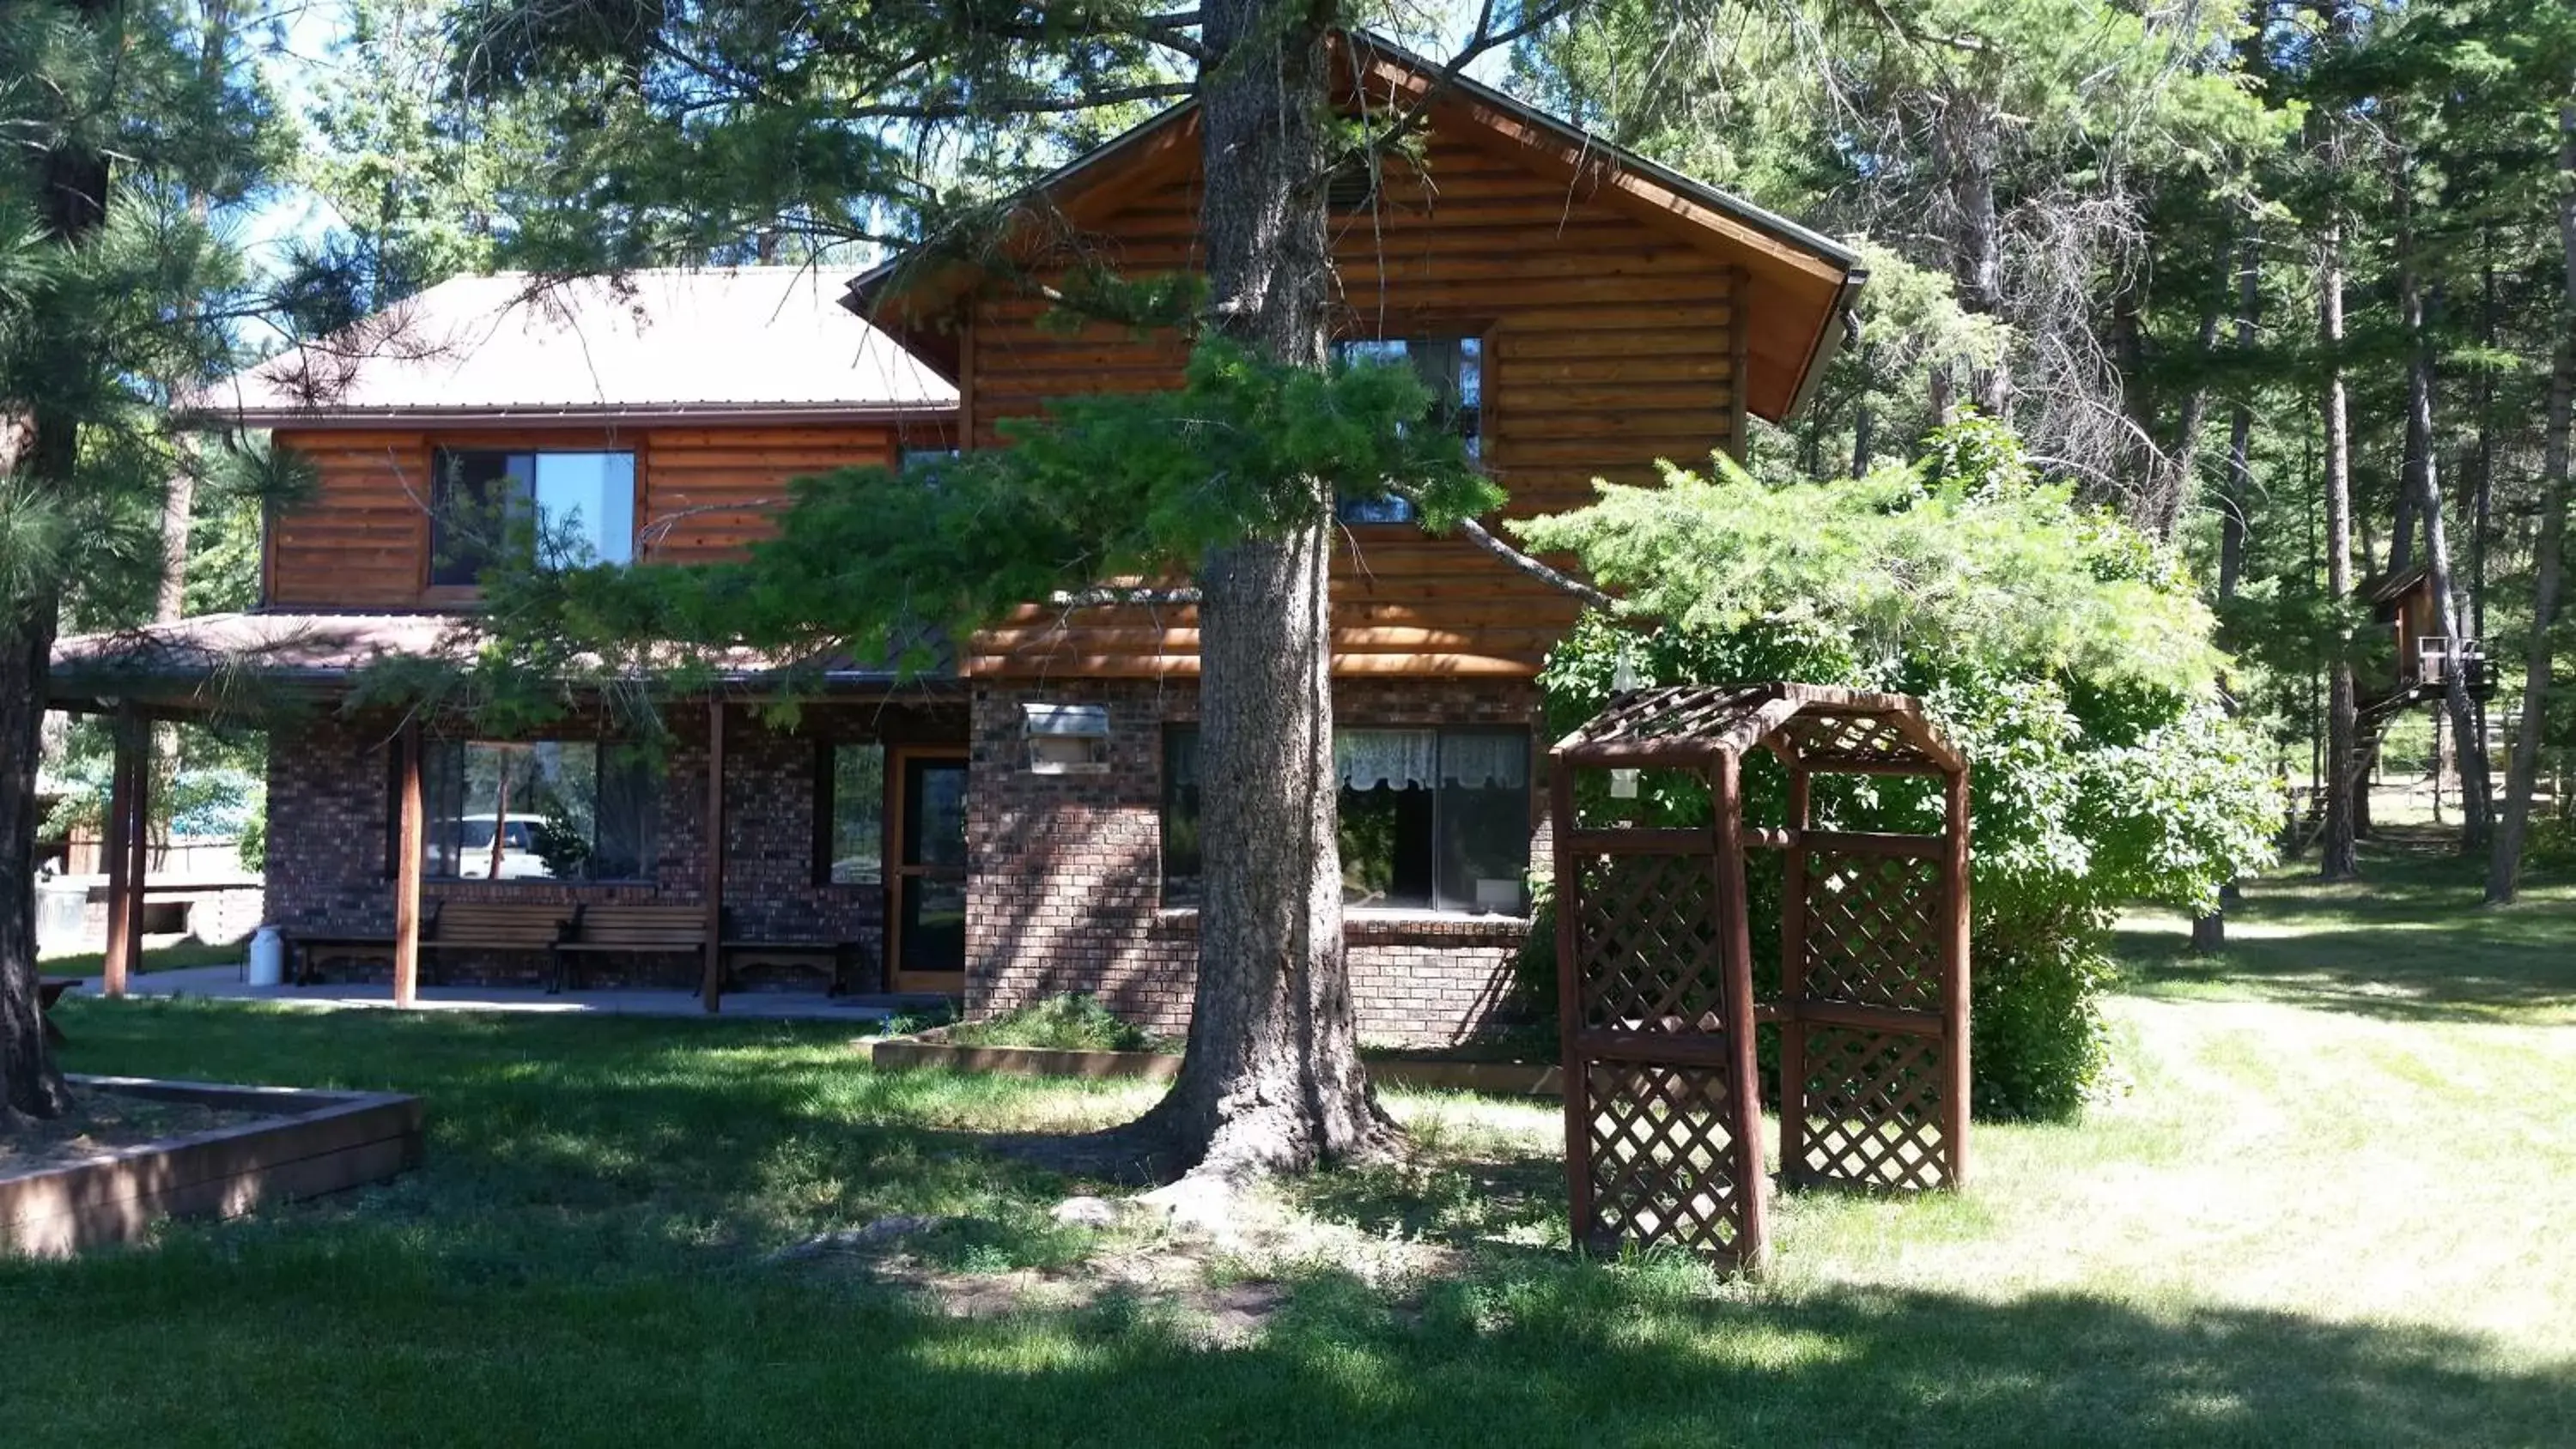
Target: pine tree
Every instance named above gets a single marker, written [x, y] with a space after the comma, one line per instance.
[111, 286]
[878, 102]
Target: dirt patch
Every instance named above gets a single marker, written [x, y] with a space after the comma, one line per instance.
[1221, 1288]
[103, 1122]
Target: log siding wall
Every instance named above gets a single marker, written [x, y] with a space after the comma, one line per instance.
[1608, 344]
[704, 491]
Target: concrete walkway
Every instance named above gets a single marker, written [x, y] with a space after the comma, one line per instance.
[224, 983]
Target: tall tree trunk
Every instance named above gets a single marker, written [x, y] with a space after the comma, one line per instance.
[2483, 454]
[178, 505]
[2504, 865]
[1272, 1080]
[2209, 932]
[2182, 464]
[2338, 858]
[71, 196]
[2240, 426]
[1864, 419]
[1965, 141]
[2407, 522]
[2424, 485]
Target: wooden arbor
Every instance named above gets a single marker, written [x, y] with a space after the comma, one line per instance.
[1663, 1108]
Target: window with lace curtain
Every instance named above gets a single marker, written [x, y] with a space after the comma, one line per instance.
[1431, 819]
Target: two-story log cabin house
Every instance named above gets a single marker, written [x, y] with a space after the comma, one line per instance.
[1027, 825]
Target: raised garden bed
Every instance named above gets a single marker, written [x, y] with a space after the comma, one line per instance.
[1415, 1070]
[234, 1149]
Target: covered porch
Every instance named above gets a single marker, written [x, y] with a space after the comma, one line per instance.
[226, 983]
[740, 844]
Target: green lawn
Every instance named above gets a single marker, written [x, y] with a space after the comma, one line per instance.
[175, 955]
[2326, 1210]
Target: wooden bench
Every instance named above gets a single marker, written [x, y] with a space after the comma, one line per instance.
[50, 989]
[304, 947]
[833, 959]
[496, 926]
[634, 930]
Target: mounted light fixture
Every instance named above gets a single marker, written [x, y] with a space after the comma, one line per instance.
[1623, 682]
[1066, 739]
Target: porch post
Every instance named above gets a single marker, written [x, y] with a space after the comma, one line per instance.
[118, 855]
[407, 873]
[138, 843]
[1954, 925]
[711, 989]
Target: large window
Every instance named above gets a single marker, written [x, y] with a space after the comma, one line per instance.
[851, 836]
[556, 507]
[1430, 819]
[1453, 369]
[538, 810]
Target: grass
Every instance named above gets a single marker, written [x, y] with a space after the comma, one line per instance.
[2326, 1210]
[176, 955]
[1074, 1022]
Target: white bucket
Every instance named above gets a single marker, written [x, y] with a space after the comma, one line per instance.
[268, 957]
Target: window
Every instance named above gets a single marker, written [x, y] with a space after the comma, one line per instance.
[538, 810]
[567, 507]
[852, 812]
[1430, 819]
[1453, 369]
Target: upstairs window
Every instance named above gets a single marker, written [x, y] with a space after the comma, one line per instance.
[1431, 819]
[567, 507]
[1452, 368]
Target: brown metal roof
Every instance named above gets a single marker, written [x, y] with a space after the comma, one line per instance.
[765, 341]
[241, 663]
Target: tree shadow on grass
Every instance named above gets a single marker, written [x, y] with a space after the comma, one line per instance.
[1537, 1349]
[1454, 1202]
[2409, 941]
[2478, 970]
[582, 1261]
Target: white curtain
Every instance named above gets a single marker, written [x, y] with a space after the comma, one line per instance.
[1386, 759]
[1485, 762]
[1395, 759]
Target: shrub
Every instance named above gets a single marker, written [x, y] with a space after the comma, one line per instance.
[2060, 651]
[1073, 1022]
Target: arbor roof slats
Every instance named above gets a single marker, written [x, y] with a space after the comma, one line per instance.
[1692, 726]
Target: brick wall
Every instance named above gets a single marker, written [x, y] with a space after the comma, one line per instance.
[330, 801]
[1066, 886]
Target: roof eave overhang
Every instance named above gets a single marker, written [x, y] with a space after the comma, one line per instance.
[82, 689]
[1729, 218]
[865, 296]
[1829, 341]
[639, 415]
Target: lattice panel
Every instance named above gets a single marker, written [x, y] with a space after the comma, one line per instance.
[1646, 944]
[1666, 1167]
[1873, 931]
[1873, 1110]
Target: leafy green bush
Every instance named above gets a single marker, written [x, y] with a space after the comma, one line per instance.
[253, 846]
[2551, 845]
[2062, 652]
[1073, 1022]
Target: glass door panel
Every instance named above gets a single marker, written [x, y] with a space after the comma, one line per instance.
[926, 885]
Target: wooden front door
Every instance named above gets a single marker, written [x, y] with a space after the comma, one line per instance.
[926, 882]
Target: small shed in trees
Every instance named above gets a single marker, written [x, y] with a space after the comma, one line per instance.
[1657, 1001]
